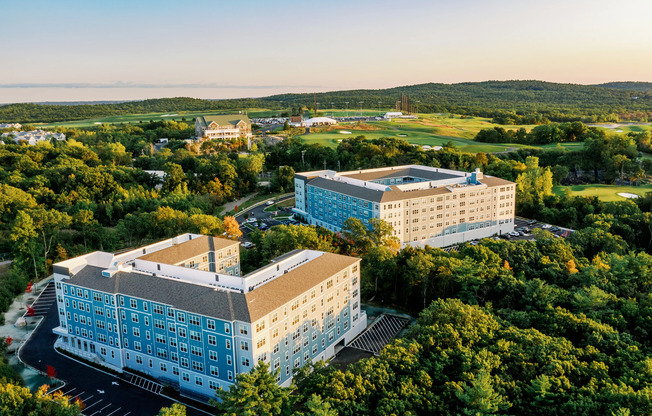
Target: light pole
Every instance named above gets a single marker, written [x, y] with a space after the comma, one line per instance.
[347, 108]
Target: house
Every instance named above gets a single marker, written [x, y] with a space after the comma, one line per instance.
[180, 311]
[424, 205]
[32, 137]
[10, 126]
[224, 127]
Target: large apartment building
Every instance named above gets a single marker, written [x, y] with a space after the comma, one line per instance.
[179, 311]
[425, 205]
[223, 127]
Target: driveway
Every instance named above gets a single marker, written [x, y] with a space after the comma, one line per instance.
[102, 394]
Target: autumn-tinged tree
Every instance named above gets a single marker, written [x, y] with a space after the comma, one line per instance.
[231, 228]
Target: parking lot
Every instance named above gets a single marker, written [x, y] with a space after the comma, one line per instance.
[94, 404]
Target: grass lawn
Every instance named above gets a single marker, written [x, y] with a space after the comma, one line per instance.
[137, 118]
[606, 193]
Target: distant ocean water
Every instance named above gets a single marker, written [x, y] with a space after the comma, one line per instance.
[39, 95]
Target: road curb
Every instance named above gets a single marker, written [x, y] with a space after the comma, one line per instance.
[257, 204]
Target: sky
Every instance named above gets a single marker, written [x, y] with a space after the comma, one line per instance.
[69, 50]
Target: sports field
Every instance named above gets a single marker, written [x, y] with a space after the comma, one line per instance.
[608, 193]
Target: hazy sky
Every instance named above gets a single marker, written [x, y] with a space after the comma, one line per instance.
[115, 49]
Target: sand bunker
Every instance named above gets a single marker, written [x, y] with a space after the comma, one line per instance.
[344, 132]
[628, 195]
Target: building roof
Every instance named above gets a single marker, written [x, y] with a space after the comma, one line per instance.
[283, 289]
[208, 301]
[187, 250]
[347, 189]
[399, 172]
[180, 294]
[223, 120]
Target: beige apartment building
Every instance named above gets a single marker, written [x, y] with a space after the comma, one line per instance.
[425, 205]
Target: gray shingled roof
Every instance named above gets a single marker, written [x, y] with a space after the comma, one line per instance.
[347, 189]
[190, 297]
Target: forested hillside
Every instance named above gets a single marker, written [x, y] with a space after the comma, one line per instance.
[513, 102]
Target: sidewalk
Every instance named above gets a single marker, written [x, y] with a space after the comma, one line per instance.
[230, 206]
[33, 378]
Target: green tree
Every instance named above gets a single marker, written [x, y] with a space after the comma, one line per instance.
[175, 410]
[255, 393]
[479, 397]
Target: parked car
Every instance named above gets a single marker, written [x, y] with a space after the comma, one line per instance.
[269, 203]
[532, 222]
[514, 233]
[546, 226]
[251, 220]
[247, 244]
[263, 226]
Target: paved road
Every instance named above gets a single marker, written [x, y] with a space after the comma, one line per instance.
[97, 390]
[260, 213]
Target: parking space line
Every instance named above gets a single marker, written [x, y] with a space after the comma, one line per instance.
[126, 414]
[74, 397]
[114, 411]
[88, 407]
[70, 391]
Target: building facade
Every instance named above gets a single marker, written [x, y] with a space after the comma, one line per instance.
[225, 127]
[425, 205]
[179, 311]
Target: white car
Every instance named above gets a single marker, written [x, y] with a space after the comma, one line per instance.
[269, 203]
[251, 220]
[514, 234]
[546, 226]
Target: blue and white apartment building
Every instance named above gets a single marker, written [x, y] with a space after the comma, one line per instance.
[425, 205]
[179, 311]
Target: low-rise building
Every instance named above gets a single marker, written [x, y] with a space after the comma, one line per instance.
[224, 127]
[32, 137]
[179, 311]
[424, 205]
[319, 121]
[10, 126]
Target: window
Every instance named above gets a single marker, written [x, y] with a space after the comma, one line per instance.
[245, 361]
[194, 320]
[197, 366]
[182, 332]
[133, 303]
[244, 345]
[134, 318]
[210, 324]
[181, 317]
[184, 362]
[196, 350]
[139, 359]
[186, 377]
[183, 347]
[195, 336]
[228, 344]
[260, 326]
[164, 367]
[212, 355]
[136, 331]
[227, 328]
[158, 309]
[212, 340]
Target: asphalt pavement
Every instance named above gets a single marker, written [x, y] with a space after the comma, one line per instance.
[102, 394]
